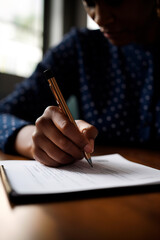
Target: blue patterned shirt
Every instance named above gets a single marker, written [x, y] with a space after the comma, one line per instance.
[117, 90]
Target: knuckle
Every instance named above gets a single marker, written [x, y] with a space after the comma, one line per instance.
[50, 110]
[40, 121]
[63, 143]
[65, 125]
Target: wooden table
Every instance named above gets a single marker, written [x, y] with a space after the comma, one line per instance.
[135, 216]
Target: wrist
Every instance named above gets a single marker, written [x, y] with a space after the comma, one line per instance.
[23, 142]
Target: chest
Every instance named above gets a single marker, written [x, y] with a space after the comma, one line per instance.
[118, 94]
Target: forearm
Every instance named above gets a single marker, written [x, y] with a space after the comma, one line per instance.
[23, 141]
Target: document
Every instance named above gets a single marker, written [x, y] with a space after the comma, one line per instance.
[109, 171]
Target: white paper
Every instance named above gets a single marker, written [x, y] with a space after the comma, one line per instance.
[109, 171]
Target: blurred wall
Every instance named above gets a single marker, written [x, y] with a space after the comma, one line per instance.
[59, 17]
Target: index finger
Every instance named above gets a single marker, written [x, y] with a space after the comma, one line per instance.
[87, 129]
[68, 129]
[90, 132]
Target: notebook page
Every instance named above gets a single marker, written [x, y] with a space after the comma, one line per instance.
[109, 171]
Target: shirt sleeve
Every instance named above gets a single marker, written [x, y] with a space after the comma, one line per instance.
[30, 98]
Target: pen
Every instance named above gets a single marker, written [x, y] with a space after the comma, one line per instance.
[62, 103]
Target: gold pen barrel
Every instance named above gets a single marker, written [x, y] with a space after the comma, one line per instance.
[59, 98]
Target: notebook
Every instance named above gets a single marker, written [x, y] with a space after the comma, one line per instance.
[31, 180]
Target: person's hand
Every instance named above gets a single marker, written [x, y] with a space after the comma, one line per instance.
[57, 141]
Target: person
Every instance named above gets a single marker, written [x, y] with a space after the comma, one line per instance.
[114, 72]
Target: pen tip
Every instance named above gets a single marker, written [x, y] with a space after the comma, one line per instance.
[90, 162]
